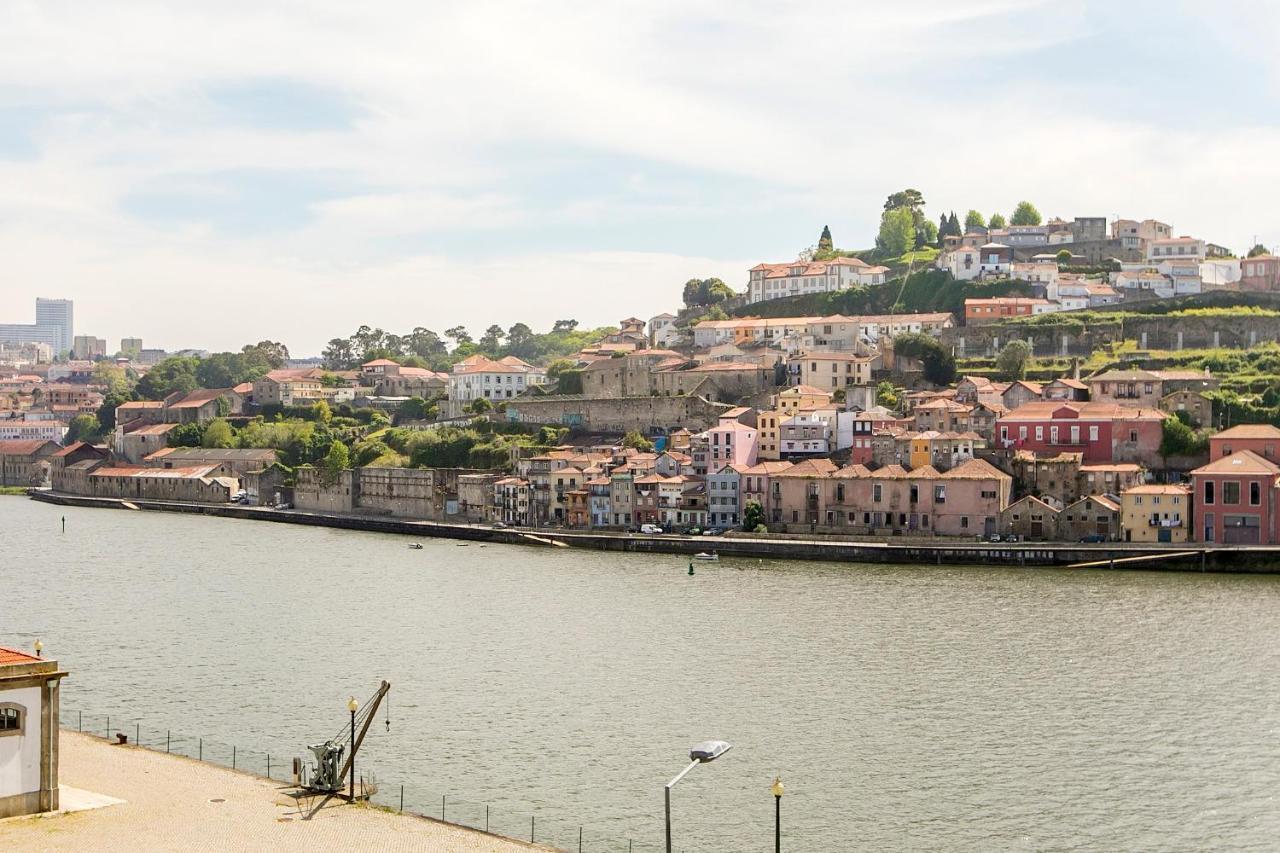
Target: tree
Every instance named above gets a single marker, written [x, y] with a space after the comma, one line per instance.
[1258, 249]
[185, 435]
[338, 354]
[458, 334]
[491, 340]
[974, 219]
[1025, 214]
[635, 440]
[1064, 256]
[82, 428]
[824, 242]
[706, 291]
[519, 339]
[176, 374]
[953, 226]
[927, 235]
[413, 409]
[1179, 439]
[1012, 360]
[939, 366]
[888, 395]
[335, 461]
[562, 326]
[425, 343]
[112, 379]
[218, 434]
[997, 220]
[320, 412]
[275, 353]
[908, 198]
[752, 515]
[480, 405]
[897, 232]
[944, 227]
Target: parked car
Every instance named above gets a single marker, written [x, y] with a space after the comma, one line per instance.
[1012, 537]
[499, 525]
[1095, 538]
[650, 529]
[713, 531]
[995, 537]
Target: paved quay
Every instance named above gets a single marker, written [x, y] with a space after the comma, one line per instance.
[173, 803]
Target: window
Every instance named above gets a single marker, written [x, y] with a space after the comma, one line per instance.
[940, 494]
[1255, 493]
[12, 718]
[875, 493]
[1133, 435]
[964, 522]
[1208, 491]
[1093, 433]
[1230, 492]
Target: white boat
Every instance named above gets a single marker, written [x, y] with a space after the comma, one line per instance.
[712, 557]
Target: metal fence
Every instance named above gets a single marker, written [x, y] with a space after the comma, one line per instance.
[536, 824]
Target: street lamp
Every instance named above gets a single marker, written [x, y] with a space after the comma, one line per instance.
[778, 791]
[353, 706]
[39, 647]
[708, 750]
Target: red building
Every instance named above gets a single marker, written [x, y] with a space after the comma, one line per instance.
[1260, 273]
[1262, 439]
[1235, 500]
[1103, 432]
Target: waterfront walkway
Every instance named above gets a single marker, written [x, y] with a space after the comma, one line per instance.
[172, 803]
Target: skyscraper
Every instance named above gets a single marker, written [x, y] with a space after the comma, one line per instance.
[58, 313]
[53, 326]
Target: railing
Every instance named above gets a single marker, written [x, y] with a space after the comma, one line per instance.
[535, 824]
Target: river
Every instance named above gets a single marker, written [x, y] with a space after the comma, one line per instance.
[905, 708]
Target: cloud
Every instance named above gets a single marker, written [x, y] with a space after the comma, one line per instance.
[564, 157]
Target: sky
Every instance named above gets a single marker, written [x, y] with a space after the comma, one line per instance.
[209, 175]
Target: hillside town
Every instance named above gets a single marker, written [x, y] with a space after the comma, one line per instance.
[1079, 380]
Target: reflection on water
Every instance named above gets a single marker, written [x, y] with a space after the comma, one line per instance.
[905, 708]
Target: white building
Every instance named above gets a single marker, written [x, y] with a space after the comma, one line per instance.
[962, 262]
[663, 333]
[24, 429]
[29, 700]
[774, 281]
[477, 377]
[1036, 272]
[1177, 248]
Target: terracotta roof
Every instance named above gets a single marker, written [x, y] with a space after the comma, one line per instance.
[1249, 431]
[1114, 467]
[799, 390]
[1102, 499]
[142, 404]
[1240, 462]
[154, 429]
[1032, 499]
[1040, 410]
[10, 656]
[380, 362]
[1157, 489]
[809, 468]
[768, 467]
[976, 469]
[21, 447]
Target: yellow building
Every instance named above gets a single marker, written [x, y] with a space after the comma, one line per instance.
[769, 439]
[800, 397]
[832, 370]
[1155, 513]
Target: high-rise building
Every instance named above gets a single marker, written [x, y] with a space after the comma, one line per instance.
[54, 326]
[131, 347]
[60, 314]
[88, 347]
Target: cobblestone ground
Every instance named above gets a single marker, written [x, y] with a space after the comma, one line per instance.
[175, 803]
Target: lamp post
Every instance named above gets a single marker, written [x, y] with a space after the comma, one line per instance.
[39, 647]
[778, 791]
[708, 750]
[353, 706]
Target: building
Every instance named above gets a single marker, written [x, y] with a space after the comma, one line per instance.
[731, 443]
[803, 435]
[134, 445]
[479, 377]
[962, 262]
[724, 496]
[994, 259]
[1102, 432]
[88, 347]
[1234, 500]
[1260, 273]
[1156, 512]
[193, 484]
[1262, 439]
[1146, 388]
[1094, 518]
[663, 332]
[131, 347]
[995, 309]
[1197, 406]
[29, 712]
[1030, 519]
[774, 281]
[239, 461]
[32, 429]
[26, 462]
[54, 326]
[1180, 248]
[831, 371]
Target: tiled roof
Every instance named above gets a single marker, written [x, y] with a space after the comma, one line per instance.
[142, 404]
[1040, 410]
[1249, 431]
[21, 447]
[1157, 489]
[200, 397]
[1240, 462]
[10, 656]
[976, 469]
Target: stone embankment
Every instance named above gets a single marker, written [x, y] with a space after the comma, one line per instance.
[1181, 557]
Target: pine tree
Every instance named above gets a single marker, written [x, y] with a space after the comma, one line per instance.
[824, 242]
[954, 225]
[943, 227]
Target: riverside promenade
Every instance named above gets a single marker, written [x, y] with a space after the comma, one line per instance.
[173, 803]
[1185, 557]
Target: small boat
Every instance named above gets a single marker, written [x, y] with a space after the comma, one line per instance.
[712, 557]
[417, 546]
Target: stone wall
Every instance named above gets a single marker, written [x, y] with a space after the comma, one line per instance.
[1046, 341]
[646, 414]
[430, 494]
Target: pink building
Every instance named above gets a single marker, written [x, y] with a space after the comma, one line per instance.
[1262, 439]
[1234, 500]
[731, 443]
[1103, 432]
